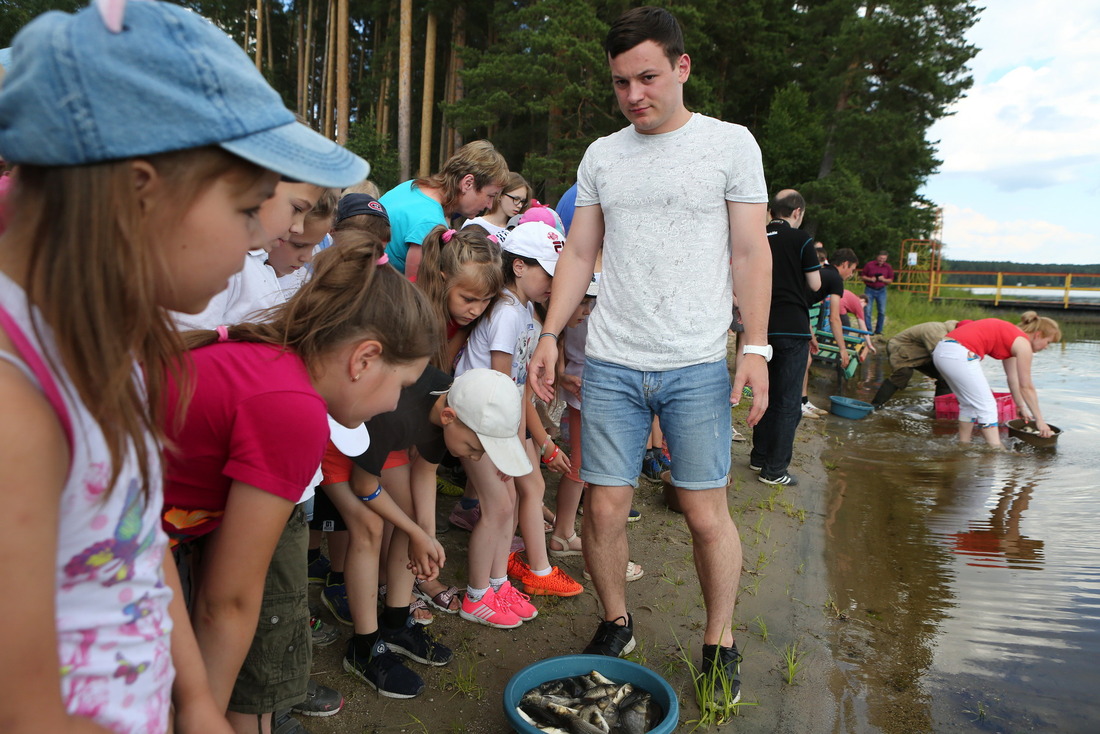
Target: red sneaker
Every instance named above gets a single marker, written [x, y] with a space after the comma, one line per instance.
[555, 583]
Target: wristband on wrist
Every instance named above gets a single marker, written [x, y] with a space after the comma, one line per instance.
[547, 333]
[553, 455]
[373, 494]
[547, 442]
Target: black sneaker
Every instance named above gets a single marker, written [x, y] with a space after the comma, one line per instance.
[415, 643]
[787, 479]
[612, 639]
[320, 701]
[323, 634]
[384, 672]
[283, 723]
[722, 667]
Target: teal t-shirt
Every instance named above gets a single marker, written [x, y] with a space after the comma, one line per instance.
[412, 217]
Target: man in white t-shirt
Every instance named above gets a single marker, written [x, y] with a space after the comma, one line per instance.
[657, 338]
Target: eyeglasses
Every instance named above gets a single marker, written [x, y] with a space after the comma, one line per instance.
[517, 200]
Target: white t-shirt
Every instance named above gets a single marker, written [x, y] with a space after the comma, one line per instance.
[509, 327]
[666, 292]
[253, 289]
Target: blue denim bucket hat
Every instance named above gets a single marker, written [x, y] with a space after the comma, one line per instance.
[75, 93]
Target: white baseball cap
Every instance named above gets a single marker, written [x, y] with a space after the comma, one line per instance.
[350, 441]
[491, 405]
[537, 241]
[593, 286]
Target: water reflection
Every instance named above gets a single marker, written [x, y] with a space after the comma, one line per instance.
[969, 580]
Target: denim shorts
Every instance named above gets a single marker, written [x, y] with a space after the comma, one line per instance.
[617, 409]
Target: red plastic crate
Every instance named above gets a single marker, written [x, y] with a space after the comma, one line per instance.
[947, 406]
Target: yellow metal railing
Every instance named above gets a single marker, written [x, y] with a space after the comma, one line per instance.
[1074, 289]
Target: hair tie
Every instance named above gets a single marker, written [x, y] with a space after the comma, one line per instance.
[493, 238]
[446, 236]
[383, 260]
[223, 333]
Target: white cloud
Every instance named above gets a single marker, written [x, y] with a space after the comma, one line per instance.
[971, 235]
[1033, 107]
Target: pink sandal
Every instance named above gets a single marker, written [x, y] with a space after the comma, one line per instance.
[441, 601]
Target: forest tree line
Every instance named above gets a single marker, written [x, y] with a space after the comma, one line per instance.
[840, 94]
[1057, 278]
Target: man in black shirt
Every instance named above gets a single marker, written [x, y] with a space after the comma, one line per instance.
[794, 268]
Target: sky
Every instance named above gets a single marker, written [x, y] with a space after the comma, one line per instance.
[1020, 179]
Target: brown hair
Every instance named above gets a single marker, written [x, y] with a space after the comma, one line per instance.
[513, 182]
[362, 229]
[349, 298]
[1031, 322]
[443, 264]
[91, 272]
[325, 208]
[479, 159]
[639, 25]
[366, 186]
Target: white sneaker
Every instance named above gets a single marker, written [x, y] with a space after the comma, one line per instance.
[819, 411]
[808, 411]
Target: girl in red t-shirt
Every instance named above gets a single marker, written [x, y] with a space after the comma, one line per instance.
[255, 430]
[958, 358]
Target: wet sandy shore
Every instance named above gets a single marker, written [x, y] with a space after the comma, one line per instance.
[782, 606]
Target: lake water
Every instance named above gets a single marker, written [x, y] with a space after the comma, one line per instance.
[967, 582]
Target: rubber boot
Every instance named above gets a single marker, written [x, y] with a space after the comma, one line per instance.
[885, 391]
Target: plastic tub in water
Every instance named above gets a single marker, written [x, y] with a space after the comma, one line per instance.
[567, 666]
[849, 408]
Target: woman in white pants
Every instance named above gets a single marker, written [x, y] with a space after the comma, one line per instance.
[958, 358]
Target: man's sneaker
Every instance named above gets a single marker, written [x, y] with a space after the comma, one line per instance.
[384, 672]
[490, 610]
[612, 639]
[335, 598]
[787, 479]
[414, 642]
[754, 467]
[463, 518]
[555, 583]
[664, 461]
[517, 602]
[634, 515]
[318, 570]
[809, 411]
[323, 634]
[320, 701]
[651, 467]
[722, 671]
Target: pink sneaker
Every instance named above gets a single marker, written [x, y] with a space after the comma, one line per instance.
[465, 519]
[490, 610]
[517, 602]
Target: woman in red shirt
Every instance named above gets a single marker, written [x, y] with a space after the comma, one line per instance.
[958, 358]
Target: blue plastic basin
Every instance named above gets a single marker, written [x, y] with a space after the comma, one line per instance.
[567, 666]
[849, 408]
